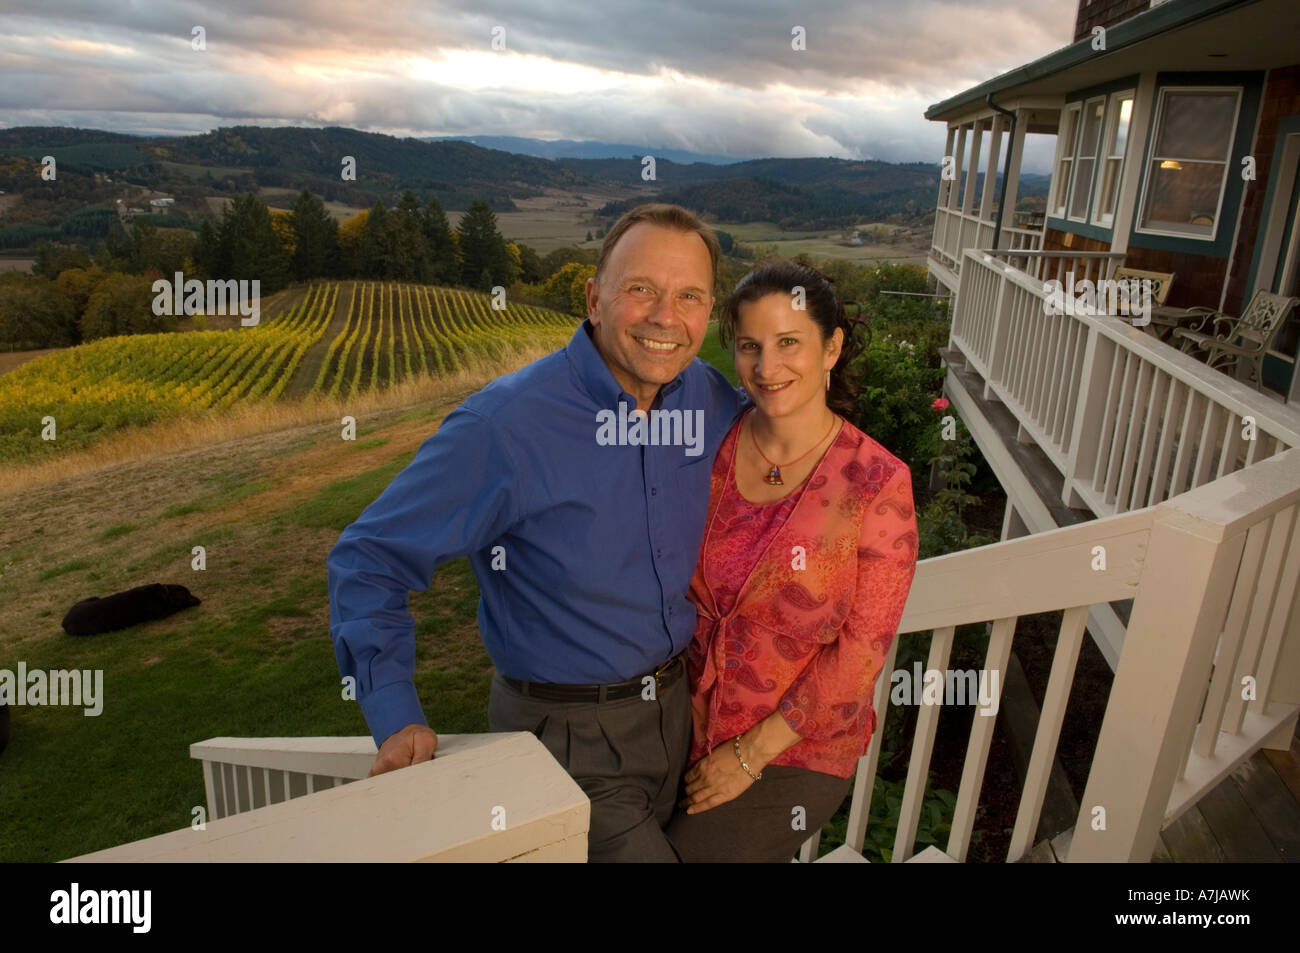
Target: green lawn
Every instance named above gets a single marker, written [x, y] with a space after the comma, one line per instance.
[712, 352]
[254, 660]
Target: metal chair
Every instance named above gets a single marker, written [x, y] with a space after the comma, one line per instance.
[1238, 340]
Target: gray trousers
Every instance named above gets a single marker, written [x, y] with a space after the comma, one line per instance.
[766, 824]
[628, 757]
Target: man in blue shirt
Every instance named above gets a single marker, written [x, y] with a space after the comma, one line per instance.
[577, 487]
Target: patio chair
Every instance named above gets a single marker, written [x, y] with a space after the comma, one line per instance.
[1160, 281]
[1244, 339]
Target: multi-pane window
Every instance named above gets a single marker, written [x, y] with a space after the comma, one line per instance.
[1085, 157]
[1119, 114]
[1188, 167]
[1065, 161]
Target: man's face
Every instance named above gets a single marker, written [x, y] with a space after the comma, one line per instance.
[651, 307]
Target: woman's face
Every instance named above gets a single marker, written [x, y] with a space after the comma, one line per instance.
[780, 356]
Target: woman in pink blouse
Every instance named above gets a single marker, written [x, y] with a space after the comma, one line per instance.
[807, 559]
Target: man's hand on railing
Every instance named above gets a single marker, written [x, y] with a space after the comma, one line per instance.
[412, 745]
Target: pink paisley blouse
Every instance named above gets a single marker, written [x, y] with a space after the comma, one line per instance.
[798, 601]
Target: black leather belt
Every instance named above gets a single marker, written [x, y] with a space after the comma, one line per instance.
[664, 676]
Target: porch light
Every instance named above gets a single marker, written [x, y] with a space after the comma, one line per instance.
[1171, 164]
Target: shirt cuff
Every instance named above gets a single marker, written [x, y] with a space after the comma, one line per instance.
[390, 709]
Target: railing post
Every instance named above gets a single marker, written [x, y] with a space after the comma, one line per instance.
[997, 338]
[956, 325]
[1159, 686]
[1094, 381]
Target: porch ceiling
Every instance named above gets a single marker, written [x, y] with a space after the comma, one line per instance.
[1183, 35]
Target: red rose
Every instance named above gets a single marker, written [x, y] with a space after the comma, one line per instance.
[940, 404]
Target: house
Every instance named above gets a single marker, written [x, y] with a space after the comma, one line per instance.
[1177, 140]
[1176, 131]
[1153, 502]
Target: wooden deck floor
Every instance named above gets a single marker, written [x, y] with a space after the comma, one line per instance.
[1253, 816]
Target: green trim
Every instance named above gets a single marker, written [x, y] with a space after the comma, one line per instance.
[1251, 84]
[1083, 229]
[1105, 89]
[1152, 22]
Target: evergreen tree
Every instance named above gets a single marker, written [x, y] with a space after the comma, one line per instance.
[316, 249]
[374, 240]
[406, 241]
[485, 262]
[254, 250]
[443, 258]
[207, 251]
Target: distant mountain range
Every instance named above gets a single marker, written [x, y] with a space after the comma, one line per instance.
[809, 193]
[583, 149]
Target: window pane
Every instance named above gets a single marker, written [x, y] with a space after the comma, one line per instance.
[1082, 184]
[1183, 196]
[1196, 125]
[1091, 128]
[1109, 187]
[1062, 184]
[1121, 131]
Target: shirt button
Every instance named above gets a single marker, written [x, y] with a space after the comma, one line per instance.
[654, 491]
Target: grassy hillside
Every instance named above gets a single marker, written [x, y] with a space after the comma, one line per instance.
[254, 659]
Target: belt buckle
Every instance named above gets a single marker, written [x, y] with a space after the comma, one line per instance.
[663, 670]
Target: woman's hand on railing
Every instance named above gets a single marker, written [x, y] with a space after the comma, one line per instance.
[414, 744]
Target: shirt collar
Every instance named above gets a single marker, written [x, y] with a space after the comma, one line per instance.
[596, 377]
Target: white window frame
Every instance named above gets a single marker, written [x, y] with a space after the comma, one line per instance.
[1150, 158]
[1064, 153]
[1074, 171]
[1110, 128]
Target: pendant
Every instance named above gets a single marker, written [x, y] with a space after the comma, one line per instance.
[774, 477]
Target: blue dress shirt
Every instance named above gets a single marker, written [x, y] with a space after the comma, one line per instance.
[593, 525]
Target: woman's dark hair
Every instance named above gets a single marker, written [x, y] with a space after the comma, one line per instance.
[783, 276]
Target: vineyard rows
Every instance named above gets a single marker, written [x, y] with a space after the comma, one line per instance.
[396, 331]
[391, 332]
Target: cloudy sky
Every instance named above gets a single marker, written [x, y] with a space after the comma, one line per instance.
[715, 77]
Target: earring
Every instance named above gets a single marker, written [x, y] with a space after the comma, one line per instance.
[828, 380]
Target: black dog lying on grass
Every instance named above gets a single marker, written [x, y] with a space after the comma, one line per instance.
[125, 609]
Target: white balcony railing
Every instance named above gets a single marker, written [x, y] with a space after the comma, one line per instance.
[488, 797]
[1213, 575]
[1128, 420]
[955, 231]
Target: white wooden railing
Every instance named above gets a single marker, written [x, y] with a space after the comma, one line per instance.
[1213, 575]
[956, 231]
[1128, 420]
[484, 797]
